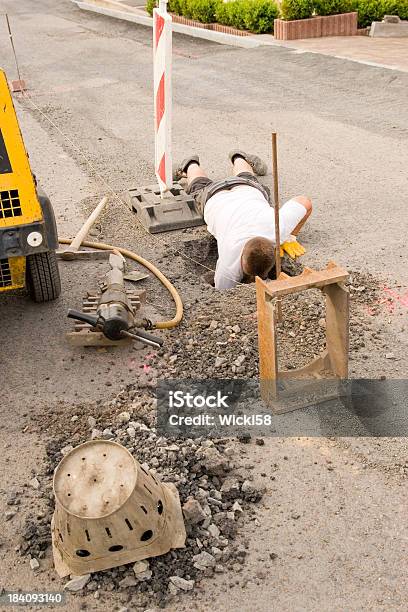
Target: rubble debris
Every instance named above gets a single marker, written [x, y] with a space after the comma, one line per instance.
[202, 470]
[193, 512]
[203, 560]
[77, 583]
[250, 492]
[34, 483]
[34, 564]
[181, 583]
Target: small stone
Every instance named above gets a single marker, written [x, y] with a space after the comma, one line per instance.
[66, 450]
[128, 581]
[9, 515]
[236, 507]
[212, 460]
[74, 418]
[230, 488]
[92, 585]
[203, 560]
[107, 434]
[181, 583]
[91, 422]
[260, 441]
[390, 356]
[34, 483]
[34, 564]
[141, 566]
[124, 417]
[213, 325]
[250, 492]
[322, 323]
[173, 590]
[226, 523]
[96, 433]
[244, 437]
[77, 583]
[239, 360]
[193, 511]
[173, 359]
[131, 432]
[219, 361]
[236, 329]
[213, 530]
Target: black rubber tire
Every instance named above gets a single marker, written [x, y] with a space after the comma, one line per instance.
[43, 276]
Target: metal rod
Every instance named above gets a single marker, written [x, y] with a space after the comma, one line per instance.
[14, 51]
[136, 336]
[276, 209]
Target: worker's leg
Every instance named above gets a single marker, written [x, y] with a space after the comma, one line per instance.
[194, 171]
[252, 163]
[197, 183]
[307, 203]
[240, 165]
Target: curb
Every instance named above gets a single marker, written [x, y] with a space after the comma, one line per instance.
[247, 42]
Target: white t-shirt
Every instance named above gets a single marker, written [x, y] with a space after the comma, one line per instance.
[235, 216]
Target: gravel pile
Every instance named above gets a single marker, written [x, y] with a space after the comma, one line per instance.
[215, 494]
[217, 339]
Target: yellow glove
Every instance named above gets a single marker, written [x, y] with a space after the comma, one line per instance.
[292, 247]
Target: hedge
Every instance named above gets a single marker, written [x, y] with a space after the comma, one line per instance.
[258, 15]
[332, 7]
[296, 9]
[374, 10]
[254, 15]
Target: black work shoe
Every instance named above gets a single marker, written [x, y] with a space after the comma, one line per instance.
[257, 164]
[180, 171]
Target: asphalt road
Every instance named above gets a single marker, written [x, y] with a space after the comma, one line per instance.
[343, 141]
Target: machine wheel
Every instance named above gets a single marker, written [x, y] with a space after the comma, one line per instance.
[43, 276]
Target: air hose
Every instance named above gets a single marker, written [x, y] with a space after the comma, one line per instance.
[149, 266]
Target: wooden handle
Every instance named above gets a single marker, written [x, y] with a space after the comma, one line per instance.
[81, 235]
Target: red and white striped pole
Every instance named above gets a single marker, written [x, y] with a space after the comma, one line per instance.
[162, 55]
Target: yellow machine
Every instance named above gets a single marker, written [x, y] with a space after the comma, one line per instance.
[28, 232]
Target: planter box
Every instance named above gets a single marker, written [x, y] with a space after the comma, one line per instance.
[217, 27]
[330, 25]
[190, 22]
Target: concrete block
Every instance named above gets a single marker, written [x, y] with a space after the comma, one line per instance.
[380, 29]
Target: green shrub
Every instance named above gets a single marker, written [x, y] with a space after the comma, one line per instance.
[368, 11]
[259, 15]
[395, 7]
[374, 10]
[150, 5]
[332, 7]
[231, 13]
[173, 6]
[254, 15]
[203, 10]
[296, 9]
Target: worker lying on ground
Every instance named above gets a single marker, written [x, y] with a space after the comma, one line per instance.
[237, 213]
